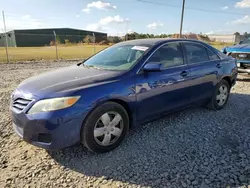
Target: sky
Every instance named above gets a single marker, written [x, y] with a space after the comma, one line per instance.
[116, 17]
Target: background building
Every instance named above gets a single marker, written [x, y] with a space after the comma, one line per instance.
[228, 38]
[43, 37]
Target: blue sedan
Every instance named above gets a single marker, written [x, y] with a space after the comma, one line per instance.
[97, 101]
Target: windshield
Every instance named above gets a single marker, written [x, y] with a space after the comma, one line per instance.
[247, 41]
[117, 57]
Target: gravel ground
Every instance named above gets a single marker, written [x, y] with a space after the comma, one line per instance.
[192, 148]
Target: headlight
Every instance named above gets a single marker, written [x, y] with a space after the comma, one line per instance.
[48, 105]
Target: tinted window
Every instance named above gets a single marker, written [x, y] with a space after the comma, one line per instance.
[169, 55]
[196, 53]
[212, 55]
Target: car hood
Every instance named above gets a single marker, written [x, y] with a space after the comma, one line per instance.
[65, 79]
[238, 48]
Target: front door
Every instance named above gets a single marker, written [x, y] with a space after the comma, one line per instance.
[159, 92]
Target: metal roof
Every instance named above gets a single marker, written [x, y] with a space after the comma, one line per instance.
[56, 29]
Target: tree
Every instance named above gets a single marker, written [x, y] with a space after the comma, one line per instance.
[58, 40]
[246, 35]
[88, 39]
[104, 42]
[67, 41]
[114, 39]
[236, 33]
[132, 36]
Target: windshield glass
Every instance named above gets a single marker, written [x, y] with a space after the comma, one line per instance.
[117, 57]
[247, 41]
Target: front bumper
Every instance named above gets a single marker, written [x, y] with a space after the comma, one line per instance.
[247, 62]
[243, 66]
[244, 70]
[52, 130]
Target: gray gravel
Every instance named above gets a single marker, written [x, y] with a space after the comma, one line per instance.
[191, 148]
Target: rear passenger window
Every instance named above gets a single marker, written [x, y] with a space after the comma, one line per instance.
[169, 55]
[196, 53]
[212, 55]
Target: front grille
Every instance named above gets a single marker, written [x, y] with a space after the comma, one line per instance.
[19, 104]
[241, 56]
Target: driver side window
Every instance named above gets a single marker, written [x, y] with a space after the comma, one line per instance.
[169, 55]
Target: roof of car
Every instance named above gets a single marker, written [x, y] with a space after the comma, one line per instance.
[152, 41]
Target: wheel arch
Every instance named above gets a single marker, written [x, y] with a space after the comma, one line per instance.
[126, 106]
[123, 103]
[228, 79]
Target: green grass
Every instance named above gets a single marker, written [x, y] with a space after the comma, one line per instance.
[220, 45]
[49, 53]
[65, 52]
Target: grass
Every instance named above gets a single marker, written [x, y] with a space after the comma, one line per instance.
[64, 52]
[220, 45]
[48, 53]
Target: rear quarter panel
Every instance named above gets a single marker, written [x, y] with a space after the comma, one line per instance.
[228, 69]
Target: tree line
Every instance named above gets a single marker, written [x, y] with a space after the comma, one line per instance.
[132, 36]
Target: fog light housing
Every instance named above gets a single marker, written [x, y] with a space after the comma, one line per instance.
[45, 138]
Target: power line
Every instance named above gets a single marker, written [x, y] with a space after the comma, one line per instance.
[235, 1]
[191, 8]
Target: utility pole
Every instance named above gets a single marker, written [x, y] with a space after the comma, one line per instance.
[6, 40]
[182, 15]
[56, 45]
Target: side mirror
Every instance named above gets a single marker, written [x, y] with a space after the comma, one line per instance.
[241, 42]
[152, 67]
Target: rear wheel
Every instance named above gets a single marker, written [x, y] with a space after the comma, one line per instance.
[220, 96]
[105, 128]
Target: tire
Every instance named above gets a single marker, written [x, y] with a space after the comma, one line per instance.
[214, 104]
[98, 129]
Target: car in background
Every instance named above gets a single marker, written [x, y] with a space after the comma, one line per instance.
[97, 101]
[241, 52]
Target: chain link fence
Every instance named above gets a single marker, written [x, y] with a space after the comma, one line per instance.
[18, 45]
[15, 46]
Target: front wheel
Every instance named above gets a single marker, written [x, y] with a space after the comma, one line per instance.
[105, 128]
[220, 96]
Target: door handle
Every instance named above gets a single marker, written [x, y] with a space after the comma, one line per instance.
[218, 65]
[184, 73]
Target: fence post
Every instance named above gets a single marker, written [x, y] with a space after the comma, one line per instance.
[56, 45]
[6, 40]
[94, 42]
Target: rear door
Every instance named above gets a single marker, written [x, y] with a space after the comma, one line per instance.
[204, 66]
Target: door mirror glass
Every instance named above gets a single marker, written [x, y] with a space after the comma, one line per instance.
[152, 67]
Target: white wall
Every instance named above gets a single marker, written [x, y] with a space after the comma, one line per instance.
[222, 38]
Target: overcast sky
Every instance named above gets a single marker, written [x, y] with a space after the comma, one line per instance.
[117, 16]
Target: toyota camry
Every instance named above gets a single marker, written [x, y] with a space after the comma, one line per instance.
[96, 102]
